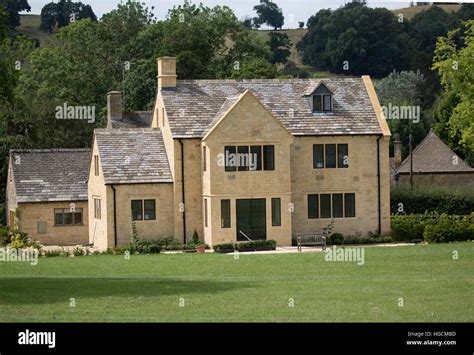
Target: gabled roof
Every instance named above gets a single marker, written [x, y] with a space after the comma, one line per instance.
[433, 156]
[50, 175]
[194, 105]
[131, 156]
[229, 105]
[136, 119]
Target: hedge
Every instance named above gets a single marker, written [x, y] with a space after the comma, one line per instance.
[433, 227]
[255, 245]
[431, 199]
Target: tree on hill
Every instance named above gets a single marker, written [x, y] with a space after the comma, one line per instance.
[404, 89]
[423, 30]
[268, 13]
[280, 46]
[355, 40]
[57, 15]
[13, 9]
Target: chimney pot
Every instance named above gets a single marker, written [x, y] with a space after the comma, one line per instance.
[114, 108]
[166, 72]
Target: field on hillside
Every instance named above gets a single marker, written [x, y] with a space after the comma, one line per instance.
[421, 283]
[30, 27]
[409, 12]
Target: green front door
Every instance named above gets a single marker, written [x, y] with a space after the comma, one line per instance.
[251, 219]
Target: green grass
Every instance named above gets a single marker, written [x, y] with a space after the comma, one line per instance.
[216, 287]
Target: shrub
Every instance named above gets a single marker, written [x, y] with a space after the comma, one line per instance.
[20, 240]
[147, 247]
[77, 251]
[255, 245]
[408, 227]
[336, 239]
[169, 243]
[123, 249]
[224, 248]
[448, 228]
[4, 236]
[432, 199]
[195, 237]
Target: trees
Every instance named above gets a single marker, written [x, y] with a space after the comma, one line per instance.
[280, 46]
[13, 8]
[255, 68]
[423, 30]
[57, 15]
[455, 111]
[404, 89]
[269, 13]
[356, 40]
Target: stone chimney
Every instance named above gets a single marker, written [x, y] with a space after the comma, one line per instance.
[397, 150]
[114, 107]
[166, 73]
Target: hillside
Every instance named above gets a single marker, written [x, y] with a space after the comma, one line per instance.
[409, 12]
[30, 27]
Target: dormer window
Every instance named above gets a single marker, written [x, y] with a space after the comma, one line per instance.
[320, 98]
[322, 103]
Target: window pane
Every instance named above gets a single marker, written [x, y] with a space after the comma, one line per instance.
[313, 206]
[256, 158]
[318, 156]
[349, 205]
[230, 158]
[150, 209]
[325, 206]
[276, 212]
[268, 157]
[97, 211]
[205, 212]
[58, 217]
[204, 158]
[327, 102]
[330, 155]
[78, 216]
[96, 165]
[225, 213]
[68, 218]
[342, 156]
[337, 206]
[243, 158]
[317, 104]
[137, 213]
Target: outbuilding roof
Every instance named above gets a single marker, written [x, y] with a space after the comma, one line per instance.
[433, 156]
[131, 156]
[50, 175]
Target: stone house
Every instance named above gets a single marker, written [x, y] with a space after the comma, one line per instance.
[435, 164]
[241, 159]
[47, 195]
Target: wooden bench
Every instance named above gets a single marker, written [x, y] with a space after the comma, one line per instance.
[310, 239]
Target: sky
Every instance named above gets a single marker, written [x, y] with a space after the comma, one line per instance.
[293, 10]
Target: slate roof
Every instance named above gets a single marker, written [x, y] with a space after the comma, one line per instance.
[433, 156]
[136, 119]
[195, 104]
[133, 156]
[50, 175]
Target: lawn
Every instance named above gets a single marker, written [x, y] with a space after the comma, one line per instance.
[271, 287]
